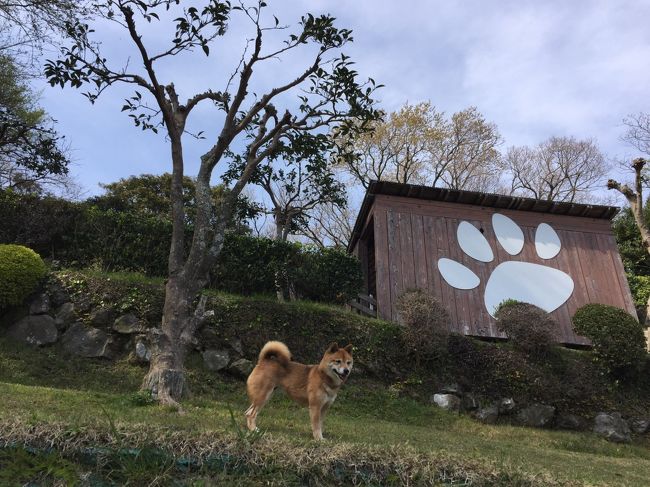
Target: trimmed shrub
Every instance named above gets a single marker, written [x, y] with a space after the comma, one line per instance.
[119, 241]
[41, 223]
[21, 270]
[248, 265]
[425, 321]
[329, 275]
[618, 340]
[529, 328]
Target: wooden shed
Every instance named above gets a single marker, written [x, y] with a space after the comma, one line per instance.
[472, 250]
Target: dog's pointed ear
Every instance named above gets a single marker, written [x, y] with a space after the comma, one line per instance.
[333, 348]
[348, 348]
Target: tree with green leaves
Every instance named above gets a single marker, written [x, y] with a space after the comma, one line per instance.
[150, 195]
[32, 154]
[634, 196]
[327, 94]
[297, 179]
[26, 25]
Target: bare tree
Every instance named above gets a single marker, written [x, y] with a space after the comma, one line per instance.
[26, 26]
[396, 149]
[329, 225]
[638, 131]
[559, 169]
[418, 145]
[328, 95]
[466, 156]
[634, 197]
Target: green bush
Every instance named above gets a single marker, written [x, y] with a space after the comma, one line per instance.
[329, 275]
[21, 270]
[640, 288]
[81, 235]
[618, 340]
[529, 328]
[248, 265]
[43, 224]
[425, 321]
[118, 241]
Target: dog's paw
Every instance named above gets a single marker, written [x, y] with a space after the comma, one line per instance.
[543, 286]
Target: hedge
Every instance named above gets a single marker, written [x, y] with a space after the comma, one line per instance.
[80, 235]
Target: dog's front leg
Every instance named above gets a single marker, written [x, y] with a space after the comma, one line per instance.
[316, 421]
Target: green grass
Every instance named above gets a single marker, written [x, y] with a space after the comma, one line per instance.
[66, 398]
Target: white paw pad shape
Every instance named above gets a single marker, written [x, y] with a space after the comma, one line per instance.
[543, 286]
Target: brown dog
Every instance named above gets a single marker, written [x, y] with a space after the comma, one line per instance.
[314, 386]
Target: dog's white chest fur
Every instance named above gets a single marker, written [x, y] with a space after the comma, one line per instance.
[330, 394]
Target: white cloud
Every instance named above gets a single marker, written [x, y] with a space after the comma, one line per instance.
[535, 69]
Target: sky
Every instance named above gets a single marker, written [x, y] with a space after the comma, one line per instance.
[535, 69]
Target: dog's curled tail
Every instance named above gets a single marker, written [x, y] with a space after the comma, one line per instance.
[276, 351]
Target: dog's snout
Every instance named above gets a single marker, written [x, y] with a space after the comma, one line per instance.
[346, 371]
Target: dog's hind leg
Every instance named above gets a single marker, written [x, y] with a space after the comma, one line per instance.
[259, 393]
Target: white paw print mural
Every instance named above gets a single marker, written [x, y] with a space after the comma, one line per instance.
[537, 284]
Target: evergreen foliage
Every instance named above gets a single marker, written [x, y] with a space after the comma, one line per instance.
[21, 270]
[425, 321]
[86, 235]
[618, 340]
[528, 327]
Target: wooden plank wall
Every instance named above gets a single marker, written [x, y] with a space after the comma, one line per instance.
[411, 235]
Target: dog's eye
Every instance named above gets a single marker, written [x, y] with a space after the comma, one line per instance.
[348, 362]
[337, 361]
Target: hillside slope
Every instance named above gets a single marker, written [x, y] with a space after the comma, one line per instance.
[67, 418]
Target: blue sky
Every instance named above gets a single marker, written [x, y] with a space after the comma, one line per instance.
[535, 69]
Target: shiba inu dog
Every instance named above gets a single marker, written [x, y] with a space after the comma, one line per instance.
[314, 386]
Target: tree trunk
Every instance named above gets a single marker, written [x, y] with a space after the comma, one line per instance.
[169, 344]
[279, 292]
[279, 274]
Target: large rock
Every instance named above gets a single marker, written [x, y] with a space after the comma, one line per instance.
[568, 421]
[452, 388]
[39, 304]
[612, 427]
[34, 330]
[506, 405]
[87, 342]
[536, 416]
[65, 315]
[446, 401]
[142, 352]
[128, 324]
[235, 344]
[58, 294]
[241, 368]
[640, 425]
[102, 317]
[216, 360]
[488, 415]
[469, 402]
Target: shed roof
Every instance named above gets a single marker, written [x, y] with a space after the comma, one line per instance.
[474, 198]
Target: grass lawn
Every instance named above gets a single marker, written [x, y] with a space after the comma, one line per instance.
[71, 404]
